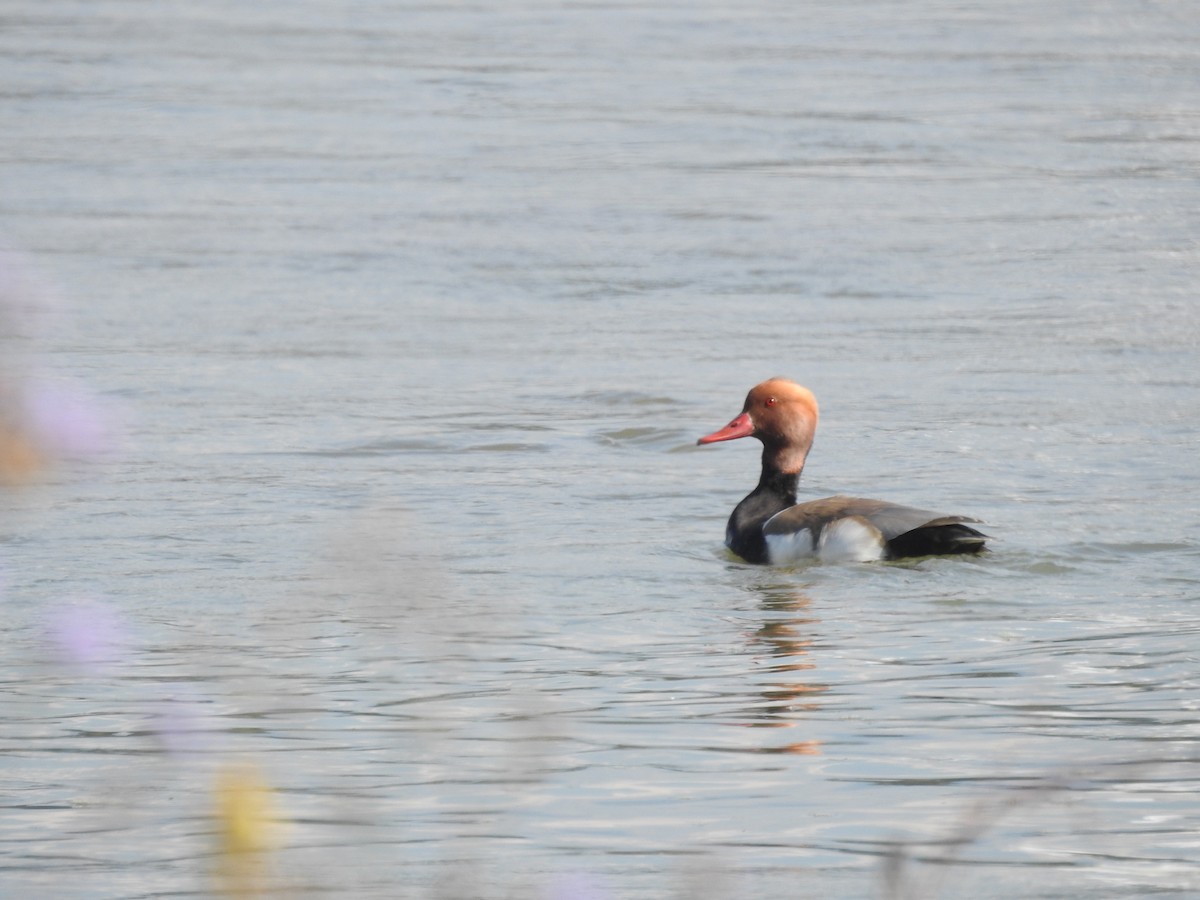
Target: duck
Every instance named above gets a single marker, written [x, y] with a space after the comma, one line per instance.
[770, 527]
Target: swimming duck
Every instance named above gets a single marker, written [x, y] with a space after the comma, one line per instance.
[769, 526]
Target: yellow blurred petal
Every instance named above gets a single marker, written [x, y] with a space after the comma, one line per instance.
[20, 460]
[245, 811]
[247, 827]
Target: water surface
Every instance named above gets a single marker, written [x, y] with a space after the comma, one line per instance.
[410, 316]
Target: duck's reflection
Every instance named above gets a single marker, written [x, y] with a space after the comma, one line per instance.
[786, 635]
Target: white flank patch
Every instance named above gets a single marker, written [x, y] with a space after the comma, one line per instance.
[850, 540]
[785, 549]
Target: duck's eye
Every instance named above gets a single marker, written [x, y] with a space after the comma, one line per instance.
[770, 401]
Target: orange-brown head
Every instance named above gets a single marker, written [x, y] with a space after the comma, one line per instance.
[781, 414]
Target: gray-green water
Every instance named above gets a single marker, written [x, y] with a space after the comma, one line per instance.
[412, 314]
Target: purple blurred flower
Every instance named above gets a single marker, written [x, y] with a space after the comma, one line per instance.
[86, 633]
[179, 725]
[67, 421]
[576, 886]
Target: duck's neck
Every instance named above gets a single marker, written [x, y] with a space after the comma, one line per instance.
[776, 491]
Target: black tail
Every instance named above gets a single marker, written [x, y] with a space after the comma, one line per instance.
[937, 540]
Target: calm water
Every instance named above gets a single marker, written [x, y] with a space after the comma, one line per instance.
[408, 316]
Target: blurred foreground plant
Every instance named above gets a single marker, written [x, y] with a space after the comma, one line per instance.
[247, 829]
[43, 420]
